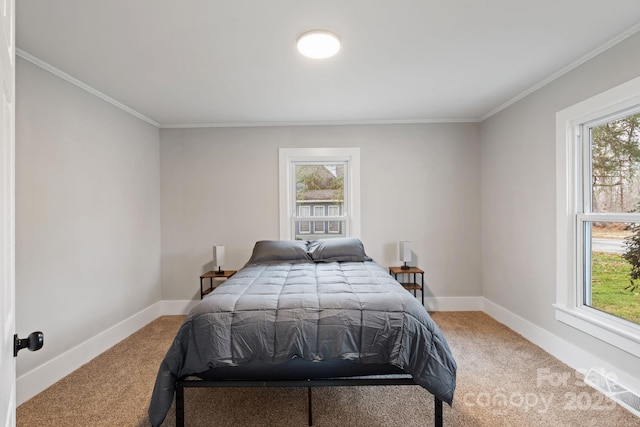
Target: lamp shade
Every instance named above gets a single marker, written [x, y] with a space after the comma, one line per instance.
[405, 251]
[218, 255]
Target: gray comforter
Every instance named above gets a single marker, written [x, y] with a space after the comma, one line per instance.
[276, 311]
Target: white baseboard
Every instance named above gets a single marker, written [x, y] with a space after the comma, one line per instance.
[575, 357]
[38, 379]
[45, 375]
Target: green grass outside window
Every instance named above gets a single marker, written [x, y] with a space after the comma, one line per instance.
[609, 278]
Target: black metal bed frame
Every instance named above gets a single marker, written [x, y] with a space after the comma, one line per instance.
[181, 384]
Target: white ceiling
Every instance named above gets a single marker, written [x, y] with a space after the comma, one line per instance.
[212, 62]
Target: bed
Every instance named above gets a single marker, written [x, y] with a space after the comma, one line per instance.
[306, 313]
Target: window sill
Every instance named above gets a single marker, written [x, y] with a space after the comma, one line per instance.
[621, 334]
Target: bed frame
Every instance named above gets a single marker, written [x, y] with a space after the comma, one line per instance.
[373, 380]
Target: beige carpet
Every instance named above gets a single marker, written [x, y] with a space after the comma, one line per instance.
[503, 380]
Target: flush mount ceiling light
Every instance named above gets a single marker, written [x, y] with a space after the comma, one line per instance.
[318, 44]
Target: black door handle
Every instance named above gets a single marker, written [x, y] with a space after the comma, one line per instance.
[33, 342]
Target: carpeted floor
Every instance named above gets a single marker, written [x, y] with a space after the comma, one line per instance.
[503, 380]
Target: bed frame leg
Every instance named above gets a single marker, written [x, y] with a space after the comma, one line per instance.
[438, 412]
[309, 400]
[179, 404]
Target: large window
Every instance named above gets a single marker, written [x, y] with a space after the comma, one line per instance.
[321, 184]
[609, 151]
[598, 174]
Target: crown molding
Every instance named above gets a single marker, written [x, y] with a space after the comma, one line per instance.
[316, 123]
[57, 72]
[48, 67]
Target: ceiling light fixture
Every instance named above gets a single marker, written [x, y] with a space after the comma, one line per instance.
[318, 44]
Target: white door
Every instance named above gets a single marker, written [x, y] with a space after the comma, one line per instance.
[7, 217]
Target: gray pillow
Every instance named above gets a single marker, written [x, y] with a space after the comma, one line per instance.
[341, 249]
[279, 250]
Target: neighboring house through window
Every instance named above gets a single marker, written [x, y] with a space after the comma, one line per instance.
[598, 197]
[322, 184]
[318, 226]
[334, 226]
[304, 227]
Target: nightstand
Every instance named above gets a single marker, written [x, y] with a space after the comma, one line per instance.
[412, 284]
[213, 275]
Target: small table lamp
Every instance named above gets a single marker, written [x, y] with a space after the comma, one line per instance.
[405, 253]
[218, 258]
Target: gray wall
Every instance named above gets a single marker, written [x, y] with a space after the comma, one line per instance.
[418, 182]
[87, 213]
[104, 213]
[518, 196]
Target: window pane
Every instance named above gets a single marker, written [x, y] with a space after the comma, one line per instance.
[321, 189]
[320, 183]
[615, 159]
[610, 284]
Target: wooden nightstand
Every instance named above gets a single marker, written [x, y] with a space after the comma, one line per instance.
[411, 285]
[213, 275]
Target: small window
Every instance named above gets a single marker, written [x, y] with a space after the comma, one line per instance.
[325, 180]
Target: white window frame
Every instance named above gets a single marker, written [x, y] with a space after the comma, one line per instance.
[571, 216]
[287, 158]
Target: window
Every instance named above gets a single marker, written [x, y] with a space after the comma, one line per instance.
[323, 180]
[609, 151]
[334, 226]
[318, 226]
[304, 227]
[598, 196]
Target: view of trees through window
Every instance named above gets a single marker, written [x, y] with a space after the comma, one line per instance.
[614, 285]
[320, 201]
[615, 165]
